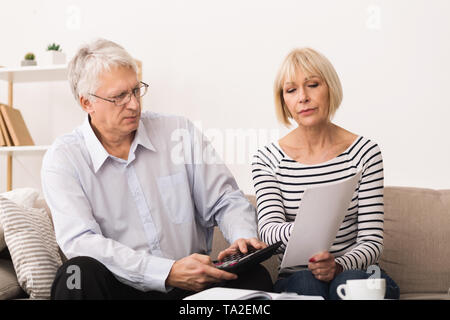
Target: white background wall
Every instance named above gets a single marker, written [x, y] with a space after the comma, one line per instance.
[215, 61]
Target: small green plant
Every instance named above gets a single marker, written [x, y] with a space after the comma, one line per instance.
[53, 47]
[29, 56]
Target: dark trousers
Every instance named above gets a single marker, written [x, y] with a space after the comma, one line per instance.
[96, 282]
[304, 282]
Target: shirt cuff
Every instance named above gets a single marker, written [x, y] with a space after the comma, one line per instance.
[156, 273]
[242, 233]
[342, 263]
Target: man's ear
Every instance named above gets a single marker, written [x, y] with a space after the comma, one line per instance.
[86, 105]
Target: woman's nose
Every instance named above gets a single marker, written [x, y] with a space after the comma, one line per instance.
[303, 97]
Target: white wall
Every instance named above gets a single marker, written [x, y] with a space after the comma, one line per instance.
[215, 61]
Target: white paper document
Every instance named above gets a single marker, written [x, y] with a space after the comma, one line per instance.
[318, 219]
[219, 293]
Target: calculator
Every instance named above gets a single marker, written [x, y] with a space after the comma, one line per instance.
[240, 262]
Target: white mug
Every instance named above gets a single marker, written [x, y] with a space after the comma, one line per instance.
[363, 289]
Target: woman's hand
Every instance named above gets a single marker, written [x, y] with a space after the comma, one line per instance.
[241, 245]
[323, 266]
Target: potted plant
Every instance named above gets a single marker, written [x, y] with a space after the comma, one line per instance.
[29, 60]
[54, 55]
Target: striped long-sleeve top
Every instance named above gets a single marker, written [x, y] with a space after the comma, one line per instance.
[280, 181]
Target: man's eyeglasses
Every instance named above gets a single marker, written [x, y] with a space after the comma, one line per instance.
[125, 97]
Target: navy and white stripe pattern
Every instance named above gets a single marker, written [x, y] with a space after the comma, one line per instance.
[280, 181]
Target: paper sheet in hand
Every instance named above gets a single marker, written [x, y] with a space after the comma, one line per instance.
[319, 217]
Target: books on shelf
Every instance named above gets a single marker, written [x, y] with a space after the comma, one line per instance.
[4, 132]
[2, 140]
[13, 127]
[220, 293]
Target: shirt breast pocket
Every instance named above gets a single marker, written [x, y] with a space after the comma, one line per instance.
[176, 196]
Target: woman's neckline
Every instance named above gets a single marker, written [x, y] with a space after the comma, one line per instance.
[286, 156]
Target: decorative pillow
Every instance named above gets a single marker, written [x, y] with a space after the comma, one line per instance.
[23, 196]
[40, 203]
[31, 242]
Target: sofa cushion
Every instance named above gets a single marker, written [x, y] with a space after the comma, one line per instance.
[425, 296]
[416, 239]
[32, 245]
[9, 287]
[2, 239]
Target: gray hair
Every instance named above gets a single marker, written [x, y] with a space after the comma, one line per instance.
[92, 59]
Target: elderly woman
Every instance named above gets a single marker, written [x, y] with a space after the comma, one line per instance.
[317, 152]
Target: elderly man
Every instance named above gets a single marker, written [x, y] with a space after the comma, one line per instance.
[133, 208]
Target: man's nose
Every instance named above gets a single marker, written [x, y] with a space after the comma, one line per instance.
[134, 102]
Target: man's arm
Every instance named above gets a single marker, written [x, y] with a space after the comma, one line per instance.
[216, 194]
[78, 233]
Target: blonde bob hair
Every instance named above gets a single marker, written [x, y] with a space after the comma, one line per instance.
[311, 63]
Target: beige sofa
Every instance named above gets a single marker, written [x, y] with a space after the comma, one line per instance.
[416, 242]
[416, 251]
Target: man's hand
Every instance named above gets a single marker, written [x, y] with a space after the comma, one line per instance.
[242, 246]
[323, 266]
[195, 273]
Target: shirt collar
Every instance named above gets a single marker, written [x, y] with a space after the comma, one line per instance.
[95, 148]
[99, 154]
[142, 138]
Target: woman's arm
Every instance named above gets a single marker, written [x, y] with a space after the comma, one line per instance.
[272, 224]
[370, 215]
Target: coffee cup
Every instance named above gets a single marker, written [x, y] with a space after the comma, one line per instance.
[363, 289]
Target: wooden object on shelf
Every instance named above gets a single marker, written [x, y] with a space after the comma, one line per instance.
[2, 140]
[10, 93]
[4, 131]
[19, 75]
[139, 73]
[16, 126]
[139, 69]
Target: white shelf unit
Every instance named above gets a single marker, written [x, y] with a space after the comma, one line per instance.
[20, 75]
[22, 149]
[34, 73]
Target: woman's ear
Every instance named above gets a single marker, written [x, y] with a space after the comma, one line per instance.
[86, 105]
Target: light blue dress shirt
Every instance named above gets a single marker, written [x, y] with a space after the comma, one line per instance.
[138, 216]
